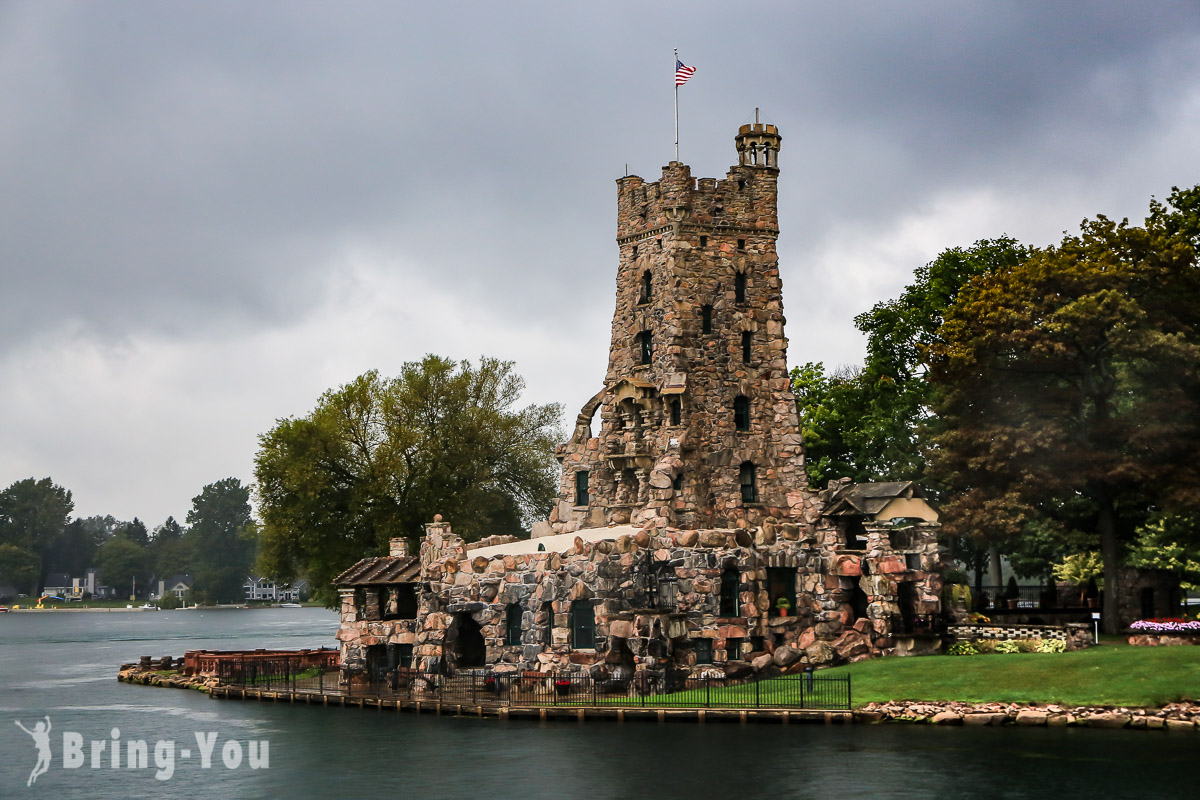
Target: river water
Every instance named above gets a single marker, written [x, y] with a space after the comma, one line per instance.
[64, 665]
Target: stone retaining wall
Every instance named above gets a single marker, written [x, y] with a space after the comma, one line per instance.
[1171, 639]
[1175, 716]
[1075, 635]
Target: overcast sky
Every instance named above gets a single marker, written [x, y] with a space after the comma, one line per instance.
[212, 212]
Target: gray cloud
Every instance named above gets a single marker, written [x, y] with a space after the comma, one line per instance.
[179, 176]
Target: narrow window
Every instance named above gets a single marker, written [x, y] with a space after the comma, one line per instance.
[912, 561]
[706, 319]
[746, 338]
[582, 496]
[741, 244]
[704, 650]
[748, 482]
[730, 592]
[646, 287]
[741, 413]
[660, 243]
[733, 649]
[739, 287]
[741, 185]
[676, 411]
[512, 624]
[548, 631]
[781, 591]
[646, 346]
[583, 626]
[635, 251]
[677, 484]
[704, 241]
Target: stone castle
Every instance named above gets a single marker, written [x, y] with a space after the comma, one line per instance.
[685, 536]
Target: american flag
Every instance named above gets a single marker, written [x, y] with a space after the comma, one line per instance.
[683, 72]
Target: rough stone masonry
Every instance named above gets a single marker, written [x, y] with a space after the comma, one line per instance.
[685, 536]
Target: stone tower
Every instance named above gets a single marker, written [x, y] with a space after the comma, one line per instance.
[697, 424]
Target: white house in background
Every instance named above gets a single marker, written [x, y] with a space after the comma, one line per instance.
[59, 584]
[258, 587]
[178, 585]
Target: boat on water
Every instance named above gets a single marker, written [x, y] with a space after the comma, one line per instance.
[3, 609]
[290, 605]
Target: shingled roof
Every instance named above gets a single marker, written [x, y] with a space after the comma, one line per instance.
[384, 569]
[868, 499]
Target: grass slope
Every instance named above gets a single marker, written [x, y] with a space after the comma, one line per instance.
[1113, 674]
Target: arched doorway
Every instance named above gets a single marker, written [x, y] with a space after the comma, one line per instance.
[464, 643]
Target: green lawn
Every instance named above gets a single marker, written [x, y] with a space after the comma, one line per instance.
[1112, 674]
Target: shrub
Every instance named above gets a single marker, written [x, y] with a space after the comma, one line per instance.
[1007, 646]
[1052, 646]
[986, 646]
[1029, 645]
[963, 649]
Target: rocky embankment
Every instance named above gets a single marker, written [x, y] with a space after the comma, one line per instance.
[1175, 716]
[167, 672]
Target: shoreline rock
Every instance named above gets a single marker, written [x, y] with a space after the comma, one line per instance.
[1173, 716]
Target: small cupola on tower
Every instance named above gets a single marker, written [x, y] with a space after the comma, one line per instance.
[758, 145]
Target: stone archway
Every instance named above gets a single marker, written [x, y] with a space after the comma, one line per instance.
[464, 646]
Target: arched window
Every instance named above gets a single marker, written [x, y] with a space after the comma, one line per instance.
[741, 413]
[747, 337]
[739, 283]
[582, 496]
[730, 594]
[749, 482]
[706, 319]
[647, 284]
[645, 347]
[677, 484]
[676, 411]
[583, 626]
[512, 624]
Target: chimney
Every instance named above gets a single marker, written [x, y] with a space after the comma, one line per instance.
[398, 548]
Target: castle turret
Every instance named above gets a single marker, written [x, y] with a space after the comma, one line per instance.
[697, 425]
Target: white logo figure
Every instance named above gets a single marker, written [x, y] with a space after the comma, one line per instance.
[41, 740]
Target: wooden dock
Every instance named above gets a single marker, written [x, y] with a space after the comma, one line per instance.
[783, 716]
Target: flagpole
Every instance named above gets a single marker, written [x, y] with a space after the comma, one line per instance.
[676, 65]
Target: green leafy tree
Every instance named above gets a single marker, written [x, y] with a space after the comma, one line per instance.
[20, 568]
[1075, 375]
[222, 538]
[170, 552]
[33, 516]
[870, 424]
[122, 563]
[379, 457]
[134, 531]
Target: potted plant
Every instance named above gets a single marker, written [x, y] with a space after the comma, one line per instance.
[781, 606]
[1011, 593]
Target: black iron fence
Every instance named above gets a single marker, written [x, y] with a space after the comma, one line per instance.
[668, 689]
[1029, 597]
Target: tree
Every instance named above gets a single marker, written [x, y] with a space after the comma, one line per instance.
[1071, 380]
[20, 568]
[170, 553]
[33, 514]
[135, 532]
[122, 563]
[379, 457]
[222, 539]
[869, 424]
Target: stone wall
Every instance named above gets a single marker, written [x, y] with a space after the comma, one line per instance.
[1076, 635]
[687, 245]
[653, 595]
